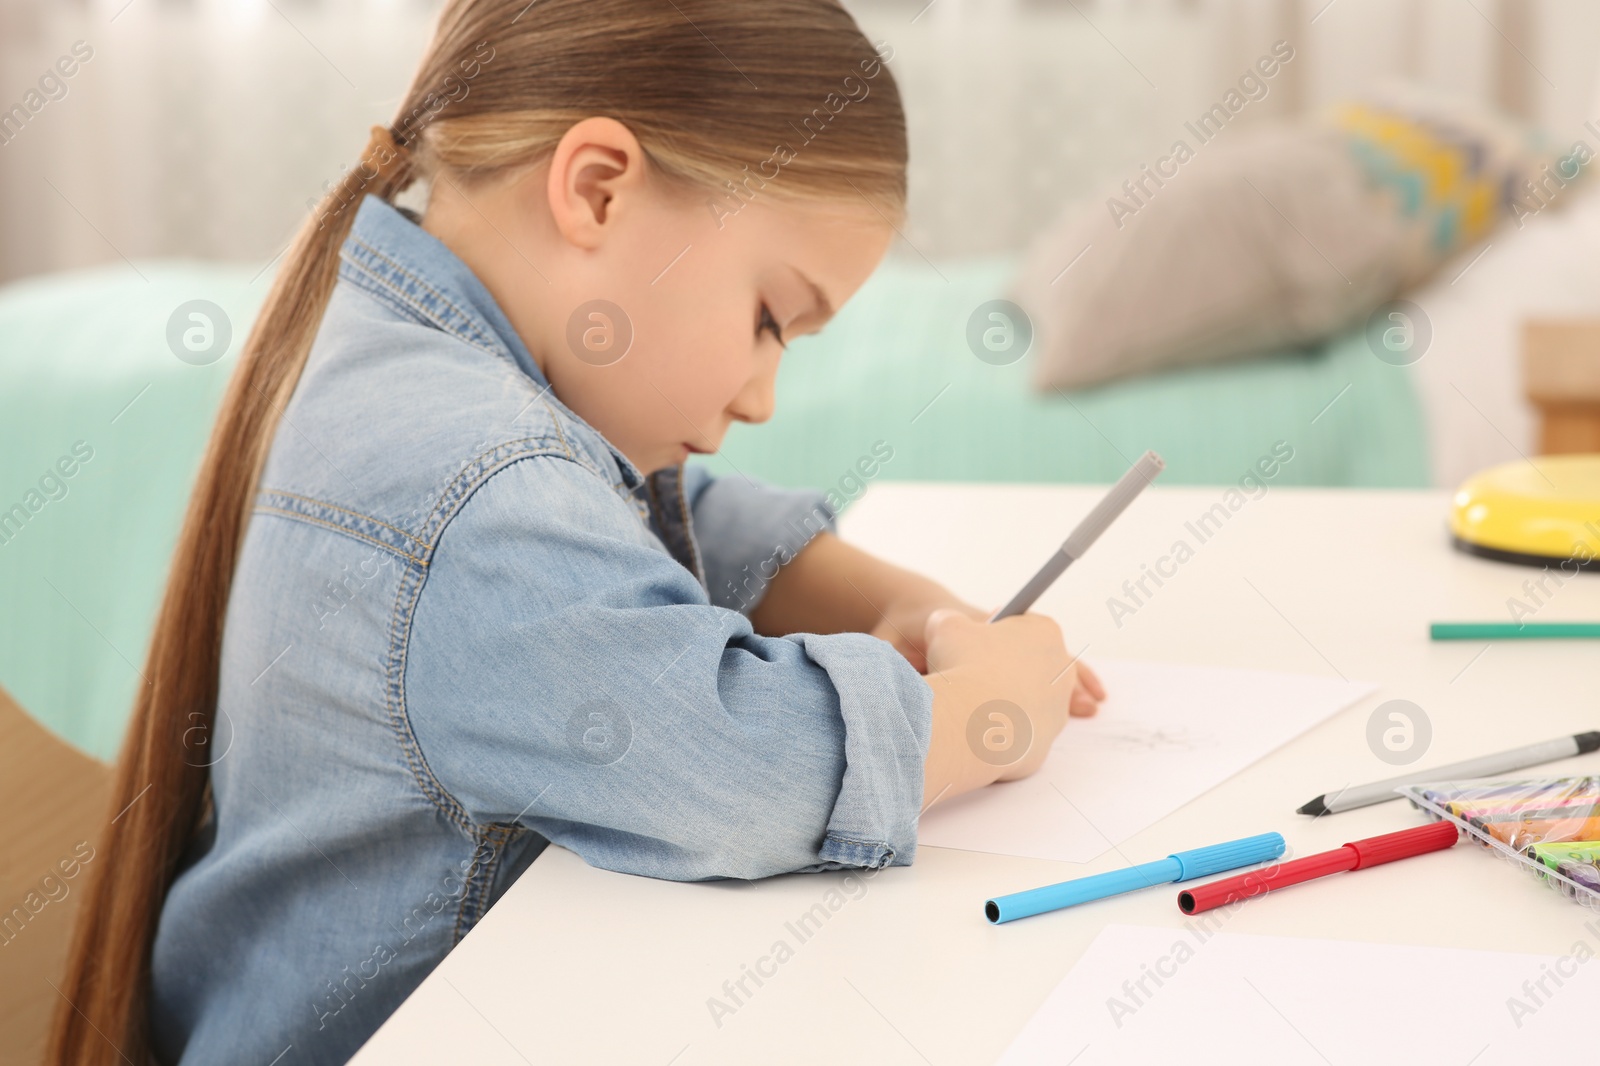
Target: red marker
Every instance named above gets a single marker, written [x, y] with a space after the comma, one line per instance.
[1358, 855]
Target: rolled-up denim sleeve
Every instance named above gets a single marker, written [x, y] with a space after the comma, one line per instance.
[565, 673]
[747, 529]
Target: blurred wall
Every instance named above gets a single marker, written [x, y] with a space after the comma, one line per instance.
[201, 128]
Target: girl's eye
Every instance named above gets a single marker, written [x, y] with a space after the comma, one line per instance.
[770, 323]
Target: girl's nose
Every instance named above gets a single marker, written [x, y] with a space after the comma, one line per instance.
[758, 399]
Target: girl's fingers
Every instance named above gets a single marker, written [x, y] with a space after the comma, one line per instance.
[897, 640]
[1091, 681]
[1083, 705]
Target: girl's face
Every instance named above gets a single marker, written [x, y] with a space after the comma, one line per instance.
[655, 314]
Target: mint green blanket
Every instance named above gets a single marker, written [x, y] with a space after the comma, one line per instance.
[894, 366]
[87, 370]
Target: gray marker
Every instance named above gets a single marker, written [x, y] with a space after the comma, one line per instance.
[1094, 523]
[1483, 766]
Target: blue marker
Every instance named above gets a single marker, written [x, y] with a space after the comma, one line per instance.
[1181, 866]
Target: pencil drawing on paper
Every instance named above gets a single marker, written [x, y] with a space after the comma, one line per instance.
[1147, 738]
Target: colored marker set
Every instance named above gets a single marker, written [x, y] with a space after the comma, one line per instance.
[1549, 826]
[1220, 858]
[1577, 863]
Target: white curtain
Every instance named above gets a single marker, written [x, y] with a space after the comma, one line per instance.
[201, 129]
[193, 130]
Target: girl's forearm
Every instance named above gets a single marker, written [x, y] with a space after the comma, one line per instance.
[835, 587]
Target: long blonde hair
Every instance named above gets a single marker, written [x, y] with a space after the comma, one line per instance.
[732, 98]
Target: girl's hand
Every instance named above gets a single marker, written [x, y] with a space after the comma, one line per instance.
[905, 621]
[904, 625]
[1001, 695]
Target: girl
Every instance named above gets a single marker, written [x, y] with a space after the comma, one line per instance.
[447, 591]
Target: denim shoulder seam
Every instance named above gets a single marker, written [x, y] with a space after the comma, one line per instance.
[365, 528]
[489, 463]
[413, 579]
[582, 457]
[555, 416]
[301, 515]
[356, 514]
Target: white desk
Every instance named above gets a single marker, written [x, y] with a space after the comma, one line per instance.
[580, 965]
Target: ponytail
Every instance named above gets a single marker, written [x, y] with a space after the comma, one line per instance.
[160, 791]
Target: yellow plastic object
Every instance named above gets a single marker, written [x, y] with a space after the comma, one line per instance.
[1534, 512]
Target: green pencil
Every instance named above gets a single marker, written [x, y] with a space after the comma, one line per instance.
[1513, 631]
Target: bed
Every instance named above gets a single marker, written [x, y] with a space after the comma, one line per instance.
[88, 367]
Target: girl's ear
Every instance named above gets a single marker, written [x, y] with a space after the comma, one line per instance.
[597, 170]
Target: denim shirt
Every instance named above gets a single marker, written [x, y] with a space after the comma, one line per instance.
[463, 625]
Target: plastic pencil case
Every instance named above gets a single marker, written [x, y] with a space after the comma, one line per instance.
[1548, 826]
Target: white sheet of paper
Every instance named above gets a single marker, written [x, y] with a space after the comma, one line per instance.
[1166, 734]
[1231, 998]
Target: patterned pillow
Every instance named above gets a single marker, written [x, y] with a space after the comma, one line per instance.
[1276, 237]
